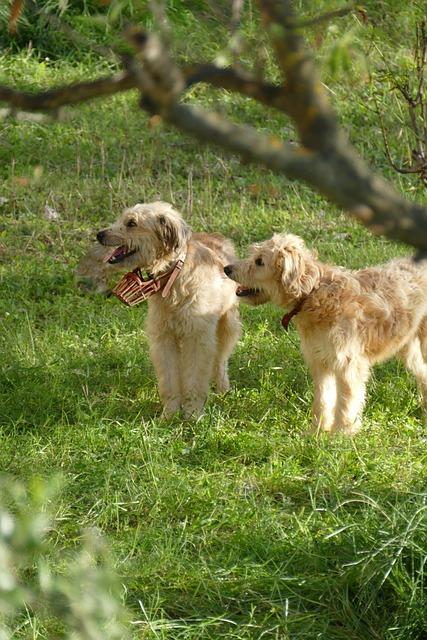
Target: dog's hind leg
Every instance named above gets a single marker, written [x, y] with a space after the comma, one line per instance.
[351, 391]
[413, 355]
[229, 330]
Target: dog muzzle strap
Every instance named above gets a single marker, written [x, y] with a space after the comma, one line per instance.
[175, 273]
[133, 289]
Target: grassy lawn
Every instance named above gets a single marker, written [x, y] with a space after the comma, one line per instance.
[240, 525]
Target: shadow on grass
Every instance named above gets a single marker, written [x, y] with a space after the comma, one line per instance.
[66, 390]
[349, 576]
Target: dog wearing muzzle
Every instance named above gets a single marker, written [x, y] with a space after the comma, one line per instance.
[193, 321]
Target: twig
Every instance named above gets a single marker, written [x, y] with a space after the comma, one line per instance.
[387, 146]
[336, 171]
[230, 79]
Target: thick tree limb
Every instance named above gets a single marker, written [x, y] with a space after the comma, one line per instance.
[68, 94]
[343, 179]
[310, 109]
[334, 169]
[325, 160]
[221, 78]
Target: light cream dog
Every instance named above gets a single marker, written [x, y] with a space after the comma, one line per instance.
[347, 320]
[194, 329]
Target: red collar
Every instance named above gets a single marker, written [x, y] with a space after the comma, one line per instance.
[133, 289]
[288, 316]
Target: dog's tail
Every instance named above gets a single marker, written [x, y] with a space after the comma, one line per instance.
[222, 246]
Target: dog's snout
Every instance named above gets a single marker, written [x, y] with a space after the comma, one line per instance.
[228, 269]
[100, 236]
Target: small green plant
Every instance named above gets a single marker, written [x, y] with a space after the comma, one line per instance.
[84, 597]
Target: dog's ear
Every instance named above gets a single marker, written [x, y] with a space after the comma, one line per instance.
[299, 270]
[173, 233]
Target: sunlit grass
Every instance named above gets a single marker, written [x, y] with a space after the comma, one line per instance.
[240, 525]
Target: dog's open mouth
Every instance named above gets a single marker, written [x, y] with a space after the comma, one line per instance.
[119, 254]
[242, 292]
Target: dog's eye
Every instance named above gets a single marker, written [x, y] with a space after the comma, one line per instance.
[259, 262]
[131, 223]
[162, 219]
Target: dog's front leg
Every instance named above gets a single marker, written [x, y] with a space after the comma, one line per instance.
[351, 390]
[325, 396]
[197, 362]
[165, 356]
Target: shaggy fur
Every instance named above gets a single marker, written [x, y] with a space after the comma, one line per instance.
[348, 321]
[193, 331]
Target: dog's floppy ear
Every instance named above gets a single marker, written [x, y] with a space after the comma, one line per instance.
[299, 271]
[173, 233]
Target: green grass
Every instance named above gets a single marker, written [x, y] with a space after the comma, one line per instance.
[240, 525]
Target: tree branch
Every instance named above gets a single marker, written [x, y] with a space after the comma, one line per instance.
[69, 94]
[336, 171]
[310, 109]
[325, 160]
[194, 73]
[344, 179]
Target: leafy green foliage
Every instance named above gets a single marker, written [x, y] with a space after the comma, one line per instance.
[83, 601]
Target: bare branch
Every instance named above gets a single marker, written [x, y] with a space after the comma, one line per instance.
[241, 82]
[310, 108]
[345, 179]
[336, 172]
[221, 78]
[68, 94]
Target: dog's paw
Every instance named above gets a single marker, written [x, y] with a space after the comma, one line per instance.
[318, 430]
[193, 410]
[171, 408]
[222, 385]
[347, 429]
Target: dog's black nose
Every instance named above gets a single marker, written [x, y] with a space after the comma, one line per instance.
[228, 269]
[100, 236]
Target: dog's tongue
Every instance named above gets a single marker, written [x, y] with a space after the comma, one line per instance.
[244, 291]
[118, 251]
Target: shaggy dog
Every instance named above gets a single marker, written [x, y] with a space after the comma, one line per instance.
[192, 330]
[347, 320]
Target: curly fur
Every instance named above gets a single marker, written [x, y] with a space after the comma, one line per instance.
[193, 331]
[349, 320]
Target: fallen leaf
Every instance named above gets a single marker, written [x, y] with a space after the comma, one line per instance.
[23, 182]
[155, 121]
[254, 189]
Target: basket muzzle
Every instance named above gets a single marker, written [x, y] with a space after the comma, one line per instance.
[133, 289]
